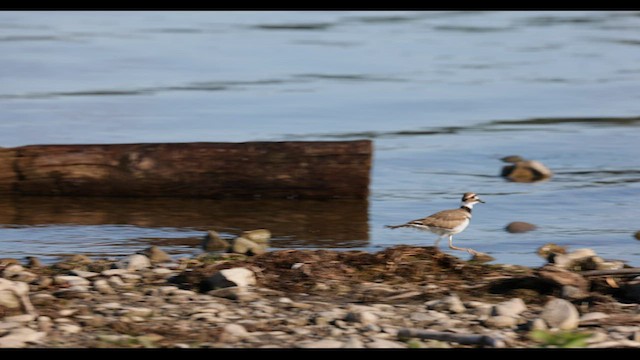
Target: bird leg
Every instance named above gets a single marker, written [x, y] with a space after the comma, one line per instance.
[437, 241]
[470, 251]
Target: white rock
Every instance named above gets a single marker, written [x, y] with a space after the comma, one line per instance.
[69, 328]
[19, 337]
[134, 262]
[103, 287]
[84, 274]
[14, 294]
[114, 272]
[20, 318]
[235, 330]
[593, 316]
[232, 277]
[70, 280]
[12, 270]
[561, 314]
[511, 307]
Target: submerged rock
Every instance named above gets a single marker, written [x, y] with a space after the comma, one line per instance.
[526, 171]
[519, 227]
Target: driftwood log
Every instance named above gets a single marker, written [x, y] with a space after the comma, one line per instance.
[312, 170]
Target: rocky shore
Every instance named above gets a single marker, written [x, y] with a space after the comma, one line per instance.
[402, 297]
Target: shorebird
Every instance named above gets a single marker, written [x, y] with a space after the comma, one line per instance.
[447, 222]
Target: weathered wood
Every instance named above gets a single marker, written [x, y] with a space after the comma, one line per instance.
[314, 170]
[465, 339]
[620, 272]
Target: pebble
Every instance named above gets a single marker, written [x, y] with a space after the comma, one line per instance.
[561, 314]
[353, 342]
[501, 321]
[511, 307]
[134, 262]
[363, 317]
[155, 254]
[69, 328]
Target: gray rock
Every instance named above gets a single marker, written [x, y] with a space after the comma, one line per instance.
[155, 254]
[134, 262]
[241, 245]
[572, 293]
[231, 277]
[561, 314]
[519, 227]
[259, 236]
[320, 344]
[212, 241]
[385, 344]
[501, 321]
[511, 307]
[363, 317]
[450, 303]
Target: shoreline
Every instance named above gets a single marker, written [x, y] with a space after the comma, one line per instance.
[400, 297]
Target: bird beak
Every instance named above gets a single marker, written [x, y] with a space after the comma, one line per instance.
[482, 201]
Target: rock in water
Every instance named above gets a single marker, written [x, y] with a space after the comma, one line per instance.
[241, 245]
[637, 235]
[212, 241]
[259, 236]
[560, 314]
[519, 227]
[526, 171]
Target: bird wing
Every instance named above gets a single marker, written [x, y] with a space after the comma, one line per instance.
[444, 218]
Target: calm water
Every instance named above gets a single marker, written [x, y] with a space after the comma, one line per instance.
[443, 95]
